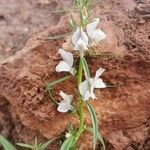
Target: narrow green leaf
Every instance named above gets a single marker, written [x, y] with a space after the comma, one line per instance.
[95, 124]
[87, 18]
[49, 85]
[6, 144]
[67, 144]
[72, 23]
[51, 97]
[44, 145]
[100, 138]
[69, 127]
[60, 10]
[58, 36]
[94, 3]
[25, 145]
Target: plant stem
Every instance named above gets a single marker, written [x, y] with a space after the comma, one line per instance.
[81, 119]
[80, 70]
[81, 104]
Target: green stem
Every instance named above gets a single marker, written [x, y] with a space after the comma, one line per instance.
[81, 104]
[81, 124]
[80, 70]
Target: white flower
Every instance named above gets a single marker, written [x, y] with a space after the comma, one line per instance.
[86, 88]
[67, 62]
[79, 33]
[80, 40]
[65, 104]
[81, 47]
[95, 35]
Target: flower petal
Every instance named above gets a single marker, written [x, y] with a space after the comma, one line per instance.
[63, 66]
[71, 108]
[67, 98]
[99, 72]
[79, 33]
[92, 95]
[75, 36]
[86, 96]
[91, 27]
[84, 37]
[63, 106]
[83, 88]
[80, 45]
[67, 56]
[98, 35]
[98, 83]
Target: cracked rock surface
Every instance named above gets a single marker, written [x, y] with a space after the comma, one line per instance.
[123, 111]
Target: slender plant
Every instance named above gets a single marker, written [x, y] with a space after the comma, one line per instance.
[85, 34]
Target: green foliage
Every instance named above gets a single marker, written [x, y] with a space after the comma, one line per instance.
[95, 124]
[68, 143]
[70, 127]
[99, 137]
[57, 36]
[73, 23]
[6, 144]
[26, 146]
[94, 130]
[50, 85]
[36, 146]
[82, 2]
[45, 145]
[83, 7]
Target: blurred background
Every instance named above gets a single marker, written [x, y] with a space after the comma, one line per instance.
[20, 19]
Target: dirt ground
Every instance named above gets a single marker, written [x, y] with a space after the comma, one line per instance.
[21, 19]
[123, 111]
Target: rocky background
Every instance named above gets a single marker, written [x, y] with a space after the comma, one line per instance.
[123, 111]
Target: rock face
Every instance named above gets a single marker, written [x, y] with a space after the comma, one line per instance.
[123, 111]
